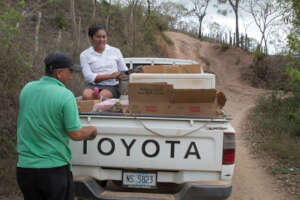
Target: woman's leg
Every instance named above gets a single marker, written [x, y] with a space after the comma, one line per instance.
[106, 93]
[88, 94]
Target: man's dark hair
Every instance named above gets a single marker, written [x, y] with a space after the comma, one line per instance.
[49, 72]
[94, 29]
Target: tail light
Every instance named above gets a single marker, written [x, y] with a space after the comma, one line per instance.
[228, 148]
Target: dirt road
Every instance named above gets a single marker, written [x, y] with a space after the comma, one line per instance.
[250, 181]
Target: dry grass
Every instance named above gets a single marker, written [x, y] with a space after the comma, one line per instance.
[278, 151]
[8, 184]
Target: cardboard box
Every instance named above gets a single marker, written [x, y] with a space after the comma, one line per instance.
[173, 69]
[179, 81]
[86, 105]
[163, 99]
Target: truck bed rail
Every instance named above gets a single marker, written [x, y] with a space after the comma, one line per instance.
[159, 117]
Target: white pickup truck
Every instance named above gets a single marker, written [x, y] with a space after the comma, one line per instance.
[152, 157]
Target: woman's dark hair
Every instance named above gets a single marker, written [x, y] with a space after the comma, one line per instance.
[94, 29]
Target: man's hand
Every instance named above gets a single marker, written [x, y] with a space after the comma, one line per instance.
[85, 133]
[93, 134]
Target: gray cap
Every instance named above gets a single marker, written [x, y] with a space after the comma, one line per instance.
[58, 60]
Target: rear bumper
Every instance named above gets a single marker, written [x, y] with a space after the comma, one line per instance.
[88, 188]
[205, 192]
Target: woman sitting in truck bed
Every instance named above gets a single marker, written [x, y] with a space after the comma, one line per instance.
[102, 65]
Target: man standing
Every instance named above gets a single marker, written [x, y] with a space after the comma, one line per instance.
[48, 117]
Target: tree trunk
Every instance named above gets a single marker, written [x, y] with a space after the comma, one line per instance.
[200, 28]
[37, 38]
[107, 21]
[235, 7]
[242, 42]
[134, 26]
[74, 27]
[59, 37]
[94, 11]
[130, 25]
[149, 8]
[237, 35]
[266, 45]
[134, 31]
[79, 33]
[24, 14]
[234, 40]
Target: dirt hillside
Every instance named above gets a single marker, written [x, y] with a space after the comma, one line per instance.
[250, 182]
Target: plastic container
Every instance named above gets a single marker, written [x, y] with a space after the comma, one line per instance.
[124, 103]
[179, 81]
[106, 105]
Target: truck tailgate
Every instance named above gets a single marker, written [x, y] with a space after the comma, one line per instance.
[150, 143]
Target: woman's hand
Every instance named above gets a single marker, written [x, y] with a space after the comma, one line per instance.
[115, 75]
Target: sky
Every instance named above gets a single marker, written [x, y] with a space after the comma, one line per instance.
[246, 23]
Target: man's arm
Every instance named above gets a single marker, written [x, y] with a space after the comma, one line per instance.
[84, 133]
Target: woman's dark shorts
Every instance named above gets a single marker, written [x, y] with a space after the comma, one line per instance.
[113, 89]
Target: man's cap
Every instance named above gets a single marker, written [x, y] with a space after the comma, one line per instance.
[58, 60]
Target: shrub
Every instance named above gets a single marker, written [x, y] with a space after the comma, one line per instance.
[60, 21]
[14, 65]
[270, 72]
[224, 47]
[160, 21]
[259, 55]
[274, 130]
[274, 125]
[293, 72]
[15, 70]
[279, 114]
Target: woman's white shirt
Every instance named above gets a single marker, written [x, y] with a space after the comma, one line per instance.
[108, 62]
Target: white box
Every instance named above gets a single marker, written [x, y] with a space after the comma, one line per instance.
[179, 81]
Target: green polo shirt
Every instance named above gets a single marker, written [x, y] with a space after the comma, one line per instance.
[48, 111]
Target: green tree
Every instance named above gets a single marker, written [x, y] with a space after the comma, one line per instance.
[13, 64]
[292, 7]
[174, 11]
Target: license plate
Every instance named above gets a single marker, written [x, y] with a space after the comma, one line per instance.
[139, 179]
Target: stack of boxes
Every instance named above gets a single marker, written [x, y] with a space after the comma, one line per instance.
[171, 91]
[174, 90]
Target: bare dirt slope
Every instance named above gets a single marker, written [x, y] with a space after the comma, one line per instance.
[250, 182]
